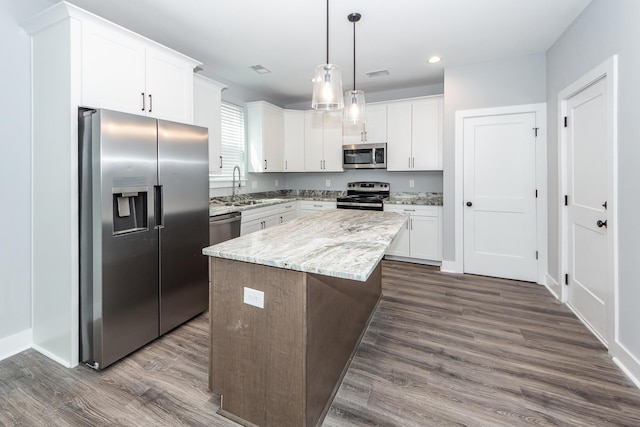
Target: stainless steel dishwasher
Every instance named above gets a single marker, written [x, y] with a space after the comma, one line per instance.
[224, 227]
[221, 228]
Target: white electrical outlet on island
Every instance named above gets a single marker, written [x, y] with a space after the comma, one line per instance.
[254, 297]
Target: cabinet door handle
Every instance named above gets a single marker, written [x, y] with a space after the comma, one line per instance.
[144, 105]
[265, 164]
[365, 136]
[150, 103]
[286, 165]
[409, 162]
[220, 162]
[413, 162]
[409, 210]
[411, 220]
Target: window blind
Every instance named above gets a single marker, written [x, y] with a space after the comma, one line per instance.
[232, 138]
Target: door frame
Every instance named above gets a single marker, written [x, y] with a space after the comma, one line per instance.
[608, 69]
[540, 111]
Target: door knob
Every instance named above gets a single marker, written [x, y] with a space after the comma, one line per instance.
[601, 224]
[469, 204]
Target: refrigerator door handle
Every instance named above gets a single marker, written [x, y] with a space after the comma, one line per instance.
[158, 206]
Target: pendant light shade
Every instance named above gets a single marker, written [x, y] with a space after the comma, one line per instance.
[327, 88]
[327, 83]
[354, 105]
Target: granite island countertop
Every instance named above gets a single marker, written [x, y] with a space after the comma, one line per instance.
[342, 243]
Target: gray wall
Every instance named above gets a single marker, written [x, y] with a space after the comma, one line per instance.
[507, 82]
[603, 29]
[15, 168]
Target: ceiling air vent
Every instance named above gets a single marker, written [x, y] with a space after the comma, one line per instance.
[260, 69]
[378, 73]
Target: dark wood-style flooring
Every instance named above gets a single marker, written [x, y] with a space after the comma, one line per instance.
[441, 350]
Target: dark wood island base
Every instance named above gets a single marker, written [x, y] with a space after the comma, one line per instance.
[282, 365]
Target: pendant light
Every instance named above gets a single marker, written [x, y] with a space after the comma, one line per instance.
[327, 83]
[354, 107]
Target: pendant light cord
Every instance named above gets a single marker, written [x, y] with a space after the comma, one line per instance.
[327, 31]
[354, 55]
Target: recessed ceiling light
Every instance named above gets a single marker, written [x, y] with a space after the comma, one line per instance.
[434, 60]
[260, 69]
[378, 73]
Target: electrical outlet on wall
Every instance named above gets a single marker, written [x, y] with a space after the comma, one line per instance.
[412, 183]
[276, 183]
[254, 184]
[253, 297]
[327, 183]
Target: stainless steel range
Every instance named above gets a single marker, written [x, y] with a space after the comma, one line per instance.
[364, 195]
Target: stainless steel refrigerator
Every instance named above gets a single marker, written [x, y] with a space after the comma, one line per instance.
[144, 198]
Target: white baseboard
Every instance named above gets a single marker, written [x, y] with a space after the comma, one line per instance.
[629, 364]
[551, 284]
[16, 343]
[627, 372]
[450, 267]
[52, 356]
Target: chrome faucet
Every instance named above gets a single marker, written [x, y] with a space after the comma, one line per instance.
[233, 183]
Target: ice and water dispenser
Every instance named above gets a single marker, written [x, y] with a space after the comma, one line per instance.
[129, 209]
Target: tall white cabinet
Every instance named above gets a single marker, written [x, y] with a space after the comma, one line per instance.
[79, 59]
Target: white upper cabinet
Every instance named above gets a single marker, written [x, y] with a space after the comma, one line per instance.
[113, 69]
[265, 132]
[372, 132]
[169, 86]
[323, 141]
[125, 72]
[293, 152]
[415, 138]
[207, 98]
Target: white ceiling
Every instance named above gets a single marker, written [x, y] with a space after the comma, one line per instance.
[289, 36]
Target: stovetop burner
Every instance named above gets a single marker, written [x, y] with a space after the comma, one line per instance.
[364, 195]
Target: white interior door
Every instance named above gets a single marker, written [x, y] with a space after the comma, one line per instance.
[500, 196]
[590, 285]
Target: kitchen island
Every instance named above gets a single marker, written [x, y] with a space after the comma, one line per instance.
[278, 355]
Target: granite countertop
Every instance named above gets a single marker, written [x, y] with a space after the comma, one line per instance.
[222, 205]
[342, 243]
[426, 199]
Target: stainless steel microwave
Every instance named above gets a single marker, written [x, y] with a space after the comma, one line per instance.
[364, 156]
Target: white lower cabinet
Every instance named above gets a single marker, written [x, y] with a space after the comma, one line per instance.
[309, 207]
[421, 237]
[260, 218]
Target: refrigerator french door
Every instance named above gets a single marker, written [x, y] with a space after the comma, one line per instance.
[143, 223]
